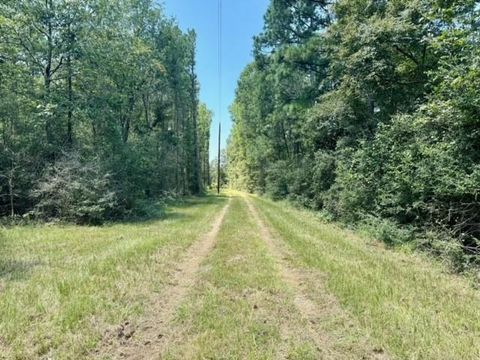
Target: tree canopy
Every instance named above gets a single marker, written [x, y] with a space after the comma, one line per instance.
[369, 111]
[97, 92]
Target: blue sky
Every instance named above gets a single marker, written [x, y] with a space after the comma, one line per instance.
[242, 19]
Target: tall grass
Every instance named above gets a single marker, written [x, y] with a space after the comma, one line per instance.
[412, 306]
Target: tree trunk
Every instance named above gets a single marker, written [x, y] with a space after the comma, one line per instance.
[177, 134]
[197, 173]
[11, 195]
[48, 68]
[126, 119]
[285, 140]
[145, 109]
[70, 103]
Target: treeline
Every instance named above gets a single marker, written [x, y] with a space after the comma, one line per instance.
[369, 111]
[99, 109]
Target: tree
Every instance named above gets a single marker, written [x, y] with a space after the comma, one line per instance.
[365, 109]
[205, 117]
[113, 83]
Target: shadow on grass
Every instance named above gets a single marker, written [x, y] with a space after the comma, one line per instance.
[11, 269]
[168, 210]
[146, 213]
[198, 200]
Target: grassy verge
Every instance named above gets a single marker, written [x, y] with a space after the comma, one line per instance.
[61, 286]
[240, 308]
[410, 305]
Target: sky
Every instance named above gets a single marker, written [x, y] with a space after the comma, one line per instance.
[242, 19]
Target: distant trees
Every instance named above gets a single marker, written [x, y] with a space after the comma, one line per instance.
[112, 84]
[367, 109]
[205, 117]
[214, 169]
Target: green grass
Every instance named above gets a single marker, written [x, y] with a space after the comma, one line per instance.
[240, 309]
[409, 304]
[62, 286]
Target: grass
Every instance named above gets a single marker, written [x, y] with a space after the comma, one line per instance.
[62, 286]
[240, 308]
[410, 305]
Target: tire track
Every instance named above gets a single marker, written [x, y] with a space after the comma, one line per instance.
[150, 339]
[309, 310]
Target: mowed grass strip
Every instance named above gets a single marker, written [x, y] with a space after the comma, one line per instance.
[336, 334]
[240, 308]
[409, 304]
[62, 286]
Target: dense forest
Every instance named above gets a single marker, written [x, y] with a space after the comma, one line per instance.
[368, 111]
[99, 109]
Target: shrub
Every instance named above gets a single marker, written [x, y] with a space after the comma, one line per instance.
[73, 191]
[386, 230]
[446, 246]
[277, 180]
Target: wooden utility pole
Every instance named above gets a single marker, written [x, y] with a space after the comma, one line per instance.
[219, 153]
[219, 91]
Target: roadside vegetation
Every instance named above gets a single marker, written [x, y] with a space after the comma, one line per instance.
[99, 110]
[369, 112]
[278, 284]
[355, 143]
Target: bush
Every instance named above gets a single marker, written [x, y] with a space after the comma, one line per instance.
[446, 246]
[324, 174]
[354, 191]
[73, 191]
[310, 179]
[300, 190]
[277, 180]
[386, 230]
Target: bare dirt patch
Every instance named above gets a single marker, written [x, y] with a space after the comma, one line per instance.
[149, 338]
[322, 315]
[5, 352]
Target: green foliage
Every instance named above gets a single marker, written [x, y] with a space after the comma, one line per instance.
[277, 180]
[74, 191]
[367, 110]
[443, 245]
[114, 82]
[223, 171]
[385, 230]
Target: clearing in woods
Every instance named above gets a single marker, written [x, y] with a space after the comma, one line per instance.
[230, 277]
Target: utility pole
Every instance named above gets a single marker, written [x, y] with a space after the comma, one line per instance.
[219, 153]
[219, 92]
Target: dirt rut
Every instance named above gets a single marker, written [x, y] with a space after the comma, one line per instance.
[150, 338]
[312, 312]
